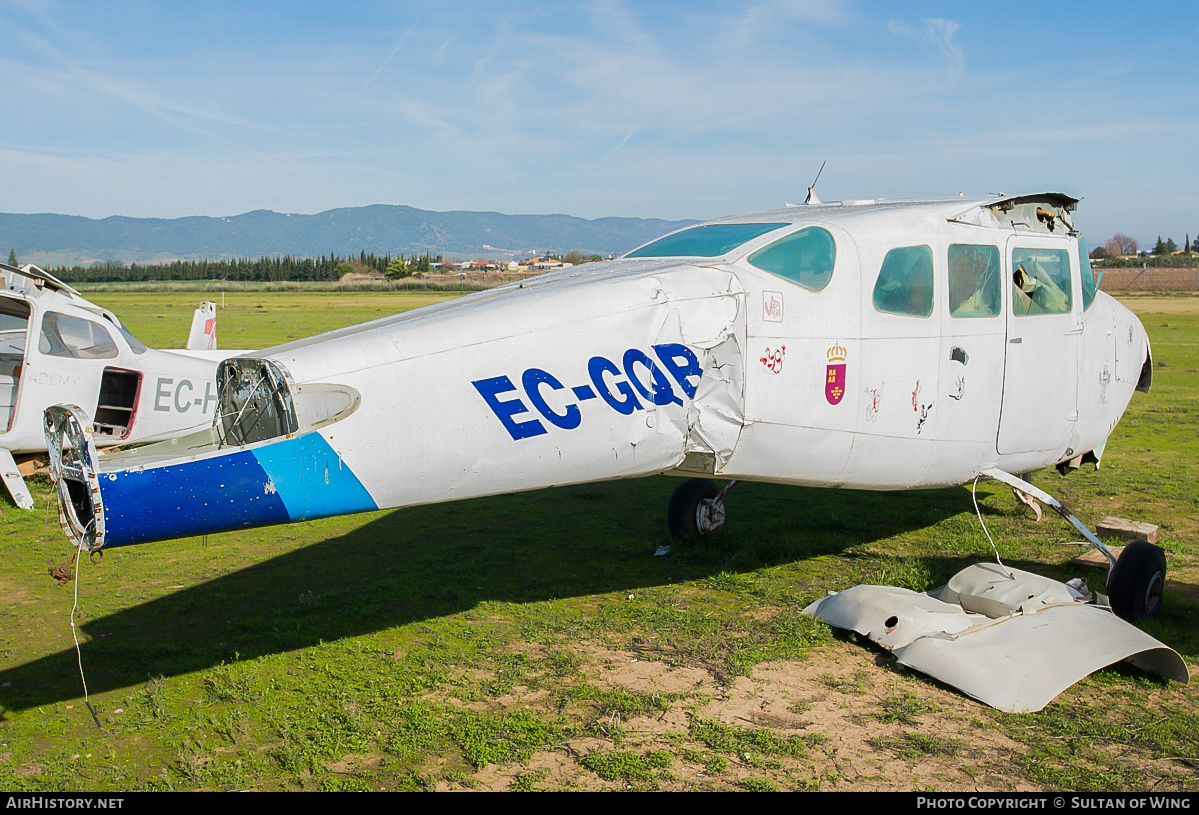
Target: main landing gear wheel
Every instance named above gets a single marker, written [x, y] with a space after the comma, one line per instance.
[1137, 582]
[696, 510]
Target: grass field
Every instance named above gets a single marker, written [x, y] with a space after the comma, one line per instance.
[252, 319]
[533, 642]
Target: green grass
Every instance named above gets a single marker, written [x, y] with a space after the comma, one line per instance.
[638, 771]
[253, 319]
[903, 708]
[917, 745]
[749, 744]
[533, 642]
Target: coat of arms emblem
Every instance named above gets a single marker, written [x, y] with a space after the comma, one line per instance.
[834, 379]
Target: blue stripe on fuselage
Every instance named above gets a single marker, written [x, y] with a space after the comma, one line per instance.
[288, 480]
[312, 479]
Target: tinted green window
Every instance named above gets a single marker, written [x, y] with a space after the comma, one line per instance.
[905, 283]
[709, 241]
[1089, 284]
[974, 287]
[805, 257]
[1041, 281]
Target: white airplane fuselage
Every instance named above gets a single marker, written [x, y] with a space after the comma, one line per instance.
[57, 347]
[837, 348]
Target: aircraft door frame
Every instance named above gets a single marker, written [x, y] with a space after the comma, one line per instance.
[1040, 379]
[71, 372]
[19, 369]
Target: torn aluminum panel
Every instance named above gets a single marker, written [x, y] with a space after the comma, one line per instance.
[1010, 639]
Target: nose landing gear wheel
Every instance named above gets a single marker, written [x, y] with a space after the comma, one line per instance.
[696, 510]
[1136, 585]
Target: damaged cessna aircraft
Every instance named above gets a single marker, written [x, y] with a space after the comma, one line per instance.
[861, 344]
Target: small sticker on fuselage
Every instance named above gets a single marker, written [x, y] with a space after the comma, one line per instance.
[772, 306]
[924, 410]
[773, 360]
[873, 397]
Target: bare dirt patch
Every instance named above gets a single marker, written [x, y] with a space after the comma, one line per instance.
[866, 727]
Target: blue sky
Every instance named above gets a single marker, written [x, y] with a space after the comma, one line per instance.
[654, 109]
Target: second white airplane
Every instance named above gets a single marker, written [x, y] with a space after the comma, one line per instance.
[55, 346]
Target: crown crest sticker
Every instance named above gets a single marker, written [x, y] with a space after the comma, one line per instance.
[834, 377]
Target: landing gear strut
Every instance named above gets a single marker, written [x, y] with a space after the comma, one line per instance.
[697, 509]
[1135, 583]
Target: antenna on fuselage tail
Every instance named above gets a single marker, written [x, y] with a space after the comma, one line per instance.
[812, 199]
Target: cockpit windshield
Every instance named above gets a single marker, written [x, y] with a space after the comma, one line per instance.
[708, 241]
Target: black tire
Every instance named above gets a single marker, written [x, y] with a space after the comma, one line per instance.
[683, 513]
[1136, 586]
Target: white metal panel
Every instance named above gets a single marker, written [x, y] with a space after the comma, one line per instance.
[789, 454]
[1011, 639]
[1021, 663]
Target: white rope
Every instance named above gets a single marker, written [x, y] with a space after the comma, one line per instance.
[75, 636]
[994, 548]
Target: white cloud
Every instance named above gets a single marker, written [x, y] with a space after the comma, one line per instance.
[937, 30]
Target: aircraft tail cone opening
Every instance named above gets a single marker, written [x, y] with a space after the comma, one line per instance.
[74, 468]
[296, 476]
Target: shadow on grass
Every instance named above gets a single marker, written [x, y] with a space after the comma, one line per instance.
[426, 562]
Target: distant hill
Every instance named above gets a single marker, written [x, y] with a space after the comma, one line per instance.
[69, 239]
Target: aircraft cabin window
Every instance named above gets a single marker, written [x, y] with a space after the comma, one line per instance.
[974, 285]
[905, 283]
[1041, 282]
[805, 257]
[76, 338]
[1089, 284]
[708, 241]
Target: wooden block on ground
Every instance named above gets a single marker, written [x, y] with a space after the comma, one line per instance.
[33, 465]
[1127, 530]
[1094, 558]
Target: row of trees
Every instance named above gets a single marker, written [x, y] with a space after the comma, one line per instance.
[274, 268]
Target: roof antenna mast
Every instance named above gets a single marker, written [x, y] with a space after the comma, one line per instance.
[812, 199]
